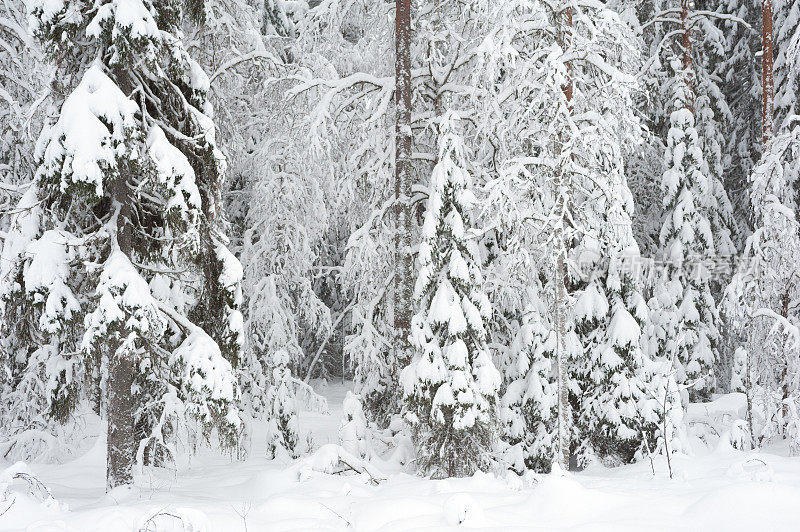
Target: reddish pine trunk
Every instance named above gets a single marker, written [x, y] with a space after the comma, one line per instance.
[403, 259]
[767, 80]
[567, 40]
[686, 45]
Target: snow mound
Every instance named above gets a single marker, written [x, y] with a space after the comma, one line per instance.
[178, 520]
[23, 495]
[459, 508]
[332, 459]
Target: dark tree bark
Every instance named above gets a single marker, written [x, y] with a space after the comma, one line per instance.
[120, 403]
[403, 260]
[686, 45]
[120, 406]
[120, 409]
[767, 78]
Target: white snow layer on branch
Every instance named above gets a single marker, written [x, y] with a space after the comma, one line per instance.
[84, 144]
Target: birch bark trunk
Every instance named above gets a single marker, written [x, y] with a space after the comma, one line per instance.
[564, 413]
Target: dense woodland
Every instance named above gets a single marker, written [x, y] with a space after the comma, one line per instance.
[530, 231]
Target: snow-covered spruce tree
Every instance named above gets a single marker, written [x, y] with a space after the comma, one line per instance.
[557, 120]
[645, 159]
[129, 180]
[281, 410]
[607, 376]
[353, 427]
[612, 415]
[40, 384]
[738, 73]
[686, 241]
[528, 402]
[615, 415]
[517, 90]
[344, 54]
[713, 119]
[450, 387]
[687, 27]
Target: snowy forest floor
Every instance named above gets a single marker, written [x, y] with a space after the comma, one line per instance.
[719, 489]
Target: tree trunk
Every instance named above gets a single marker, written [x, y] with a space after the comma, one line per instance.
[566, 42]
[560, 311]
[120, 404]
[749, 396]
[403, 260]
[786, 300]
[686, 46]
[767, 79]
[563, 451]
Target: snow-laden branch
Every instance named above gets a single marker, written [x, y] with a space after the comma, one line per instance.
[695, 15]
[251, 56]
[780, 321]
[342, 84]
[601, 64]
[18, 31]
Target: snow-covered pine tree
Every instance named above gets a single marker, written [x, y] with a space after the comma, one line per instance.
[686, 241]
[764, 290]
[129, 180]
[450, 387]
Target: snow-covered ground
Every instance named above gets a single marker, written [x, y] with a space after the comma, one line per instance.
[721, 489]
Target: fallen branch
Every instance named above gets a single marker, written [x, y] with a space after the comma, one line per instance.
[36, 487]
[333, 459]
